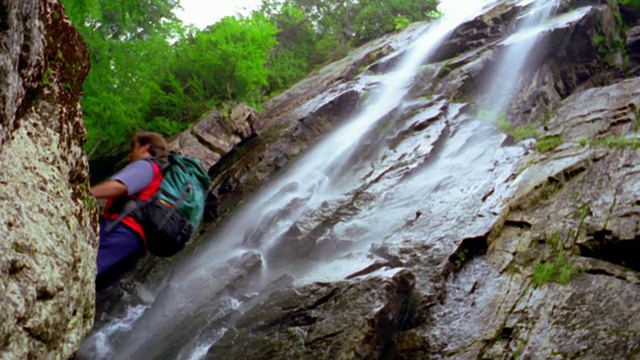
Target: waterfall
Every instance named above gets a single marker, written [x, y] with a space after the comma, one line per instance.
[519, 46]
[253, 237]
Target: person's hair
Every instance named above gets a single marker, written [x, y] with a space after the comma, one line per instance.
[158, 146]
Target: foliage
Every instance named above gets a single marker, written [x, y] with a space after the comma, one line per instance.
[223, 62]
[614, 142]
[461, 258]
[126, 41]
[609, 48]
[122, 19]
[559, 271]
[402, 22]
[500, 119]
[337, 25]
[296, 51]
[547, 143]
[377, 17]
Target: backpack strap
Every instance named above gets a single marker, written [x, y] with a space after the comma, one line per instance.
[134, 204]
[129, 207]
[178, 201]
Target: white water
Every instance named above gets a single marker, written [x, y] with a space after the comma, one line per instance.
[312, 177]
[312, 180]
[520, 45]
[98, 345]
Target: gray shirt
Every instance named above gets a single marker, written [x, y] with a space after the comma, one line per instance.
[135, 176]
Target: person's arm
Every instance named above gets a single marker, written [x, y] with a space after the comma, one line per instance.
[108, 189]
[128, 181]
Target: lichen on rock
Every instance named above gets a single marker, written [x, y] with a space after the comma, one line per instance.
[47, 252]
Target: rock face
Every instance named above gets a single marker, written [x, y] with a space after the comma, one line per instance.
[47, 252]
[216, 134]
[452, 236]
[540, 263]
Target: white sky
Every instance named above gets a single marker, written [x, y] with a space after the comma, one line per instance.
[206, 12]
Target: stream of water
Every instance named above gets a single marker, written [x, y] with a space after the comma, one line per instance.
[253, 248]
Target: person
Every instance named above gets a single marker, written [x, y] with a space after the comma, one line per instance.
[125, 243]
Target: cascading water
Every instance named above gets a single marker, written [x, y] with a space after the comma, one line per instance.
[519, 46]
[326, 195]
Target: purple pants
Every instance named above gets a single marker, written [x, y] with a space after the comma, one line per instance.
[121, 247]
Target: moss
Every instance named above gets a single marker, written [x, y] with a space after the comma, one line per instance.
[636, 115]
[500, 119]
[548, 143]
[518, 352]
[82, 191]
[554, 240]
[401, 22]
[545, 192]
[492, 116]
[409, 310]
[557, 270]
[611, 142]
[525, 132]
[15, 266]
[18, 248]
[46, 76]
[461, 258]
[446, 70]
[548, 115]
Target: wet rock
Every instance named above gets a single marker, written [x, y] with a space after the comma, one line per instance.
[482, 292]
[216, 134]
[632, 41]
[478, 33]
[346, 320]
[485, 246]
[550, 321]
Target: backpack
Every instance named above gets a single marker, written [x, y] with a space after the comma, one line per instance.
[169, 218]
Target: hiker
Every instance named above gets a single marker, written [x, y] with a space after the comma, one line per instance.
[121, 246]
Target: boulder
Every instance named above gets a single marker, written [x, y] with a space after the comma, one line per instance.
[216, 134]
[47, 226]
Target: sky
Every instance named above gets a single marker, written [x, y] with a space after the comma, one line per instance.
[206, 12]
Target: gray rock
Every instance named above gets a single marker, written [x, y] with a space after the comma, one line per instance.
[538, 266]
[531, 253]
[47, 225]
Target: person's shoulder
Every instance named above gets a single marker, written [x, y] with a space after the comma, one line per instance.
[141, 165]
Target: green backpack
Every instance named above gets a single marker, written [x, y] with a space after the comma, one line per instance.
[182, 173]
[171, 216]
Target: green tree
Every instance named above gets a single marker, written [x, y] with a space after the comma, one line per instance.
[225, 61]
[341, 24]
[377, 17]
[295, 53]
[127, 41]
[122, 19]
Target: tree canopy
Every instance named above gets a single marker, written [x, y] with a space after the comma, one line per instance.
[151, 72]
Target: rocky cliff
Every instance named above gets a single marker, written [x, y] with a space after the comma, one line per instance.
[538, 263]
[457, 232]
[47, 252]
